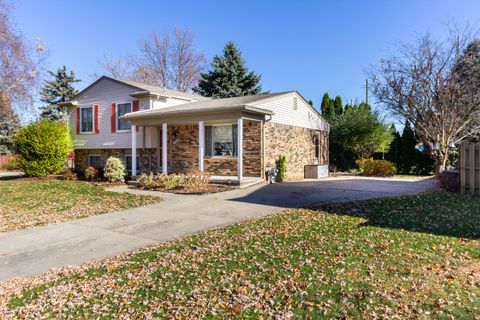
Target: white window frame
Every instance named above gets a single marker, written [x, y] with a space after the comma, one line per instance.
[93, 119]
[117, 116]
[93, 155]
[233, 141]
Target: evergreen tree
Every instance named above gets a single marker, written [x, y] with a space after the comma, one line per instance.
[8, 123]
[56, 91]
[327, 108]
[395, 150]
[338, 105]
[408, 149]
[229, 77]
[310, 102]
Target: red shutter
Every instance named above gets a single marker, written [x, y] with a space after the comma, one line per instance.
[113, 118]
[77, 120]
[135, 108]
[95, 123]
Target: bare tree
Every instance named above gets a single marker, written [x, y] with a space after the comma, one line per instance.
[116, 67]
[21, 63]
[420, 84]
[172, 62]
[186, 63]
[153, 64]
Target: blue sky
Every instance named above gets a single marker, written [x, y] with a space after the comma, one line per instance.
[310, 46]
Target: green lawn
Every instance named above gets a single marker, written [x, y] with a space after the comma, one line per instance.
[32, 202]
[412, 257]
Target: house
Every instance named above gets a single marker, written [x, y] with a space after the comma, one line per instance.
[160, 130]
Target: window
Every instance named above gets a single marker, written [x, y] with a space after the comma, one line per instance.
[86, 119]
[122, 109]
[128, 164]
[94, 161]
[221, 140]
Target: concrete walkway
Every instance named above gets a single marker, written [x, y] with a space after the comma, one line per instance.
[33, 251]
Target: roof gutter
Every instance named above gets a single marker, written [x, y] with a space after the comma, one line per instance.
[152, 94]
[72, 103]
[150, 114]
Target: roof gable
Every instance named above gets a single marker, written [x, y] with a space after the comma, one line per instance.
[137, 86]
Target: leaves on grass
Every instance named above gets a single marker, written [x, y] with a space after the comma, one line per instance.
[33, 202]
[373, 259]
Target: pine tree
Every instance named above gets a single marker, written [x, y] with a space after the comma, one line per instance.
[8, 123]
[56, 91]
[338, 105]
[408, 149]
[229, 77]
[327, 108]
[395, 150]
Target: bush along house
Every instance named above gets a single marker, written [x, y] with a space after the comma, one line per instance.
[158, 130]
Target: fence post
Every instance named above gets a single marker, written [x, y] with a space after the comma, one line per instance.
[463, 161]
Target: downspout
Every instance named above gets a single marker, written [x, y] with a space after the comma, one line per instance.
[264, 168]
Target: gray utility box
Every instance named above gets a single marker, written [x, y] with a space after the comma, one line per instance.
[316, 171]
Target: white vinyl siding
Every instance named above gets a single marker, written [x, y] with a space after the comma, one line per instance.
[104, 94]
[285, 113]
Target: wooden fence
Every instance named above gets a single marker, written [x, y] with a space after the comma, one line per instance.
[470, 168]
[5, 158]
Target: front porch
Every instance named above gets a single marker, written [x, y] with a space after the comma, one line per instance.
[230, 150]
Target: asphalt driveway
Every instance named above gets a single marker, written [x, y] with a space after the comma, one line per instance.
[36, 250]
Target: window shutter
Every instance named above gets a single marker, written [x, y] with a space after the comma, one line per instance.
[135, 108]
[208, 141]
[77, 120]
[95, 119]
[113, 118]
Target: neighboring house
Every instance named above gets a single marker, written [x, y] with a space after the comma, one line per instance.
[150, 126]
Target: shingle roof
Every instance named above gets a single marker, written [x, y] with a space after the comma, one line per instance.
[160, 90]
[145, 88]
[212, 105]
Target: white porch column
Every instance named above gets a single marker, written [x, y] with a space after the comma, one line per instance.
[134, 150]
[240, 148]
[159, 145]
[164, 148]
[201, 145]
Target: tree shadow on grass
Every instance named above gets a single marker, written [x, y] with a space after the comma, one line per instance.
[438, 213]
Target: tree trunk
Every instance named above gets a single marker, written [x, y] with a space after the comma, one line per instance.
[441, 162]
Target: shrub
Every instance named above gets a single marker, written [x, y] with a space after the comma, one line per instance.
[114, 170]
[163, 181]
[195, 181]
[376, 168]
[173, 181]
[450, 180]
[68, 174]
[282, 167]
[42, 147]
[91, 173]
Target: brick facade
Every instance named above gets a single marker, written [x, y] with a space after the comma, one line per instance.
[297, 144]
[252, 149]
[147, 157]
[294, 142]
